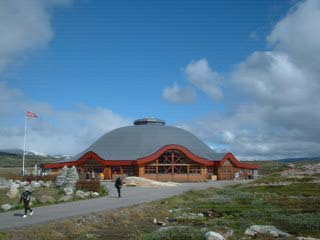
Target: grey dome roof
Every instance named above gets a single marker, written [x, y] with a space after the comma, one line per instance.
[143, 139]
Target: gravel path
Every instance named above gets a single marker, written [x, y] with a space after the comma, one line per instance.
[130, 196]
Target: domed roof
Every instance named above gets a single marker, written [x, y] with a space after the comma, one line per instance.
[146, 137]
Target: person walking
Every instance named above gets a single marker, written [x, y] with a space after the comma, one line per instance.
[26, 197]
[118, 185]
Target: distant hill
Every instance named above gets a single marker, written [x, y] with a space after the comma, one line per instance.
[292, 160]
[13, 158]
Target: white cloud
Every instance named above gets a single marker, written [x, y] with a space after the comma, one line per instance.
[228, 137]
[176, 94]
[200, 75]
[280, 116]
[24, 25]
[298, 34]
[274, 78]
[67, 132]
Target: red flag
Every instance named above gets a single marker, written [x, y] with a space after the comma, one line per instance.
[31, 114]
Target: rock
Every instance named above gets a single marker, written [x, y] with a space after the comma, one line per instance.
[22, 184]
[80, 194]
[214, 236]
[307, 238]
[200, 215]
[6, 207]
[46, 199]
[4, 184]
[35, 184]
[13, 184]
[13, 193]
[62, 177]
[228, 234]
[17, 182]
[41, 183]
[65, 198]
[94, 194]
[272, 230]
[86, 194]
[72, 177]
[68, 190]
[48, 184]
[155, 221]
[67, 177]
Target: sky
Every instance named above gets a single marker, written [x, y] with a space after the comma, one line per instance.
[241, 75]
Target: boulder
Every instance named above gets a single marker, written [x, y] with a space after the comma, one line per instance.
[214, 236]
[72, 177]
[22, 184]
[46, 199]
[17, 182]
[48, 184]
[35, 184]
[41, 183]
[272, 230]
[80, 194]
[307, 238]
[94, 194]
[13, 192]
[68, 190]
[4, 184]
[62, 177]
[6, 207]
[13, 184]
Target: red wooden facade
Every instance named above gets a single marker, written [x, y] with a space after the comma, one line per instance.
[169, 163]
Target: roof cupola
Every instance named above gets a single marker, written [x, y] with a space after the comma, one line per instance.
[149, 121]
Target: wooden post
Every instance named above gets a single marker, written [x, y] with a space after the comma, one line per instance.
[141, 171]
[188, 172]
[157, 170]
[203, 172]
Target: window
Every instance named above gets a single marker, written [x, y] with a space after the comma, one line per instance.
[173, 161]
[150, 169]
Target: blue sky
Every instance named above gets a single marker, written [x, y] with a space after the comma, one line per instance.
[191, 63]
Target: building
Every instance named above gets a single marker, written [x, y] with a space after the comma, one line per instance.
[155, 151]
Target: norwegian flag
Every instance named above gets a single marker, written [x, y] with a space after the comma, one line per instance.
[31, 114]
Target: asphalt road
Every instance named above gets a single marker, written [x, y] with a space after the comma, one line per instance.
[130, 196]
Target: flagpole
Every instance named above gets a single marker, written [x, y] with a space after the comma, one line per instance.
[24, 143]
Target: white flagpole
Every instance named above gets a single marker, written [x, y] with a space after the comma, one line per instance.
[24, 144]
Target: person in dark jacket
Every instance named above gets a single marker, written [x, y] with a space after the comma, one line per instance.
[118, 185]
[26, 197]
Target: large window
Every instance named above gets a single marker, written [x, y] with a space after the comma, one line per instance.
[173, 162]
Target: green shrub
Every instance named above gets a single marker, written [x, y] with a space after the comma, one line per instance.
[93, 186]
[299, 223]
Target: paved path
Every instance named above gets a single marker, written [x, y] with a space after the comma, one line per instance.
[131, 196]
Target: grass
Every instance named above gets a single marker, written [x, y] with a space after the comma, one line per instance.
[234, 208]
[15, 160]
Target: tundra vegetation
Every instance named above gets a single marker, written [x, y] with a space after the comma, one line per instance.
[287, 197]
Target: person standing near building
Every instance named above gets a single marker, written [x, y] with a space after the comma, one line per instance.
[118, 185]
